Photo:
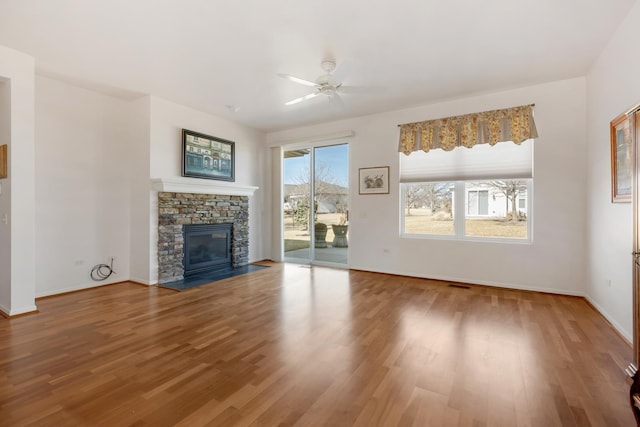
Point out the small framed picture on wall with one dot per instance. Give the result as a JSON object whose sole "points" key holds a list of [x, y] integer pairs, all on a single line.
{"points": [[374, 180]]}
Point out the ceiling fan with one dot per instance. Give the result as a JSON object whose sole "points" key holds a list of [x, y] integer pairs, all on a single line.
{"points": [[328, 84]]}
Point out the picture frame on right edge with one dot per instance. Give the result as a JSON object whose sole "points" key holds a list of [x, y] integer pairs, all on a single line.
{"points": [[621, 160], [3, 162], [374, 180]]}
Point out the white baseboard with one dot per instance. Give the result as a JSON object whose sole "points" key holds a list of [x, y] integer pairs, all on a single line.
{"points": [[143, 281], [480, 282], [17, 311], [50, 292], [622, 331]]}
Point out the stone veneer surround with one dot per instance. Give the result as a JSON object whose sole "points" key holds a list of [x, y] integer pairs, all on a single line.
{"points": [[177, 209]]}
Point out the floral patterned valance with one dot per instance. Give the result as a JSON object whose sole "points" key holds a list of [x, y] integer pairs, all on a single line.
{"points": [[489, 127]]}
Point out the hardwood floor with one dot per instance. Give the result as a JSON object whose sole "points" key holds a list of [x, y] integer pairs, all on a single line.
{"points": [[289, 345]]}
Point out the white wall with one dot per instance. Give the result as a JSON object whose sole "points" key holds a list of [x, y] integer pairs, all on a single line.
{"points": [[167, 121], [554, 262], [140, 186], [613, 87], [82, 186], [95, 156], [17, 282]]}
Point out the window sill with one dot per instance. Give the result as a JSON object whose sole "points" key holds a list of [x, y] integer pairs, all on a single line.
{"points": [[444, 237]]}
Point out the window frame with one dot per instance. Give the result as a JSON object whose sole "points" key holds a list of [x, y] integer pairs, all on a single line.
{"points": [[460, 207]]}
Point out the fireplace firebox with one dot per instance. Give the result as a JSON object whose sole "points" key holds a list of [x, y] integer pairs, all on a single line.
{"points": [[207, 247]]}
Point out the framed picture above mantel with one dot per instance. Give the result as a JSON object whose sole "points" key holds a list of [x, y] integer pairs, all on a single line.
{"points": [[209, 157]]}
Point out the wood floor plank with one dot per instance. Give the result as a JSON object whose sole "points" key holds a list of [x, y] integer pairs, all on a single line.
{"points": [[292, 346]]}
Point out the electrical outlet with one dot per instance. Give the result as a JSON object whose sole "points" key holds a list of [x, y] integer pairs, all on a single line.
{"points": [[608, 282]]}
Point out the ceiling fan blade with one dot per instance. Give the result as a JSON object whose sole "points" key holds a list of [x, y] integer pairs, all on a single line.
{"points": [[302, 98], [298, 80]]}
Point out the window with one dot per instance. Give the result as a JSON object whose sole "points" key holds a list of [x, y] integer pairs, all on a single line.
{"points": [[486, 210], [479, 193]]}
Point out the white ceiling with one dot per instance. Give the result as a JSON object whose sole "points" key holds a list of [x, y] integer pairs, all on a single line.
{"points": [[209, 54]]}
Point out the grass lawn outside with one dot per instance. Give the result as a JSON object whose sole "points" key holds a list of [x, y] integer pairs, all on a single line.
{"points": [[293, 244], [419, 222], [297, 237], [422, 222]]}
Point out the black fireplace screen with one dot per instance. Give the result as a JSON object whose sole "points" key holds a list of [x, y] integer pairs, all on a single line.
{"points": [[207, 247]]}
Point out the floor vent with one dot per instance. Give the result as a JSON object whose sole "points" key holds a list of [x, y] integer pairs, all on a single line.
{"points": [[454, 285]]}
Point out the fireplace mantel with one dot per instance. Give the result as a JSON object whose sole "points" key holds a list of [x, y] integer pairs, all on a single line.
{"points": [[200, 186]]}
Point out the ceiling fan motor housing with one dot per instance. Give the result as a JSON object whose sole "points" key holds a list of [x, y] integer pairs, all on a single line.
{"points": [[323, 79], [328, 90]]}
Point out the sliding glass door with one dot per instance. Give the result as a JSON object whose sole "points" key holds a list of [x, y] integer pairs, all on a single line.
{"points": [[316, 204], [331, 191]]}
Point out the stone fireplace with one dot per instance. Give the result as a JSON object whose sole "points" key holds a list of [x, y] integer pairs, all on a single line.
{"points": [[176, 209]]}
